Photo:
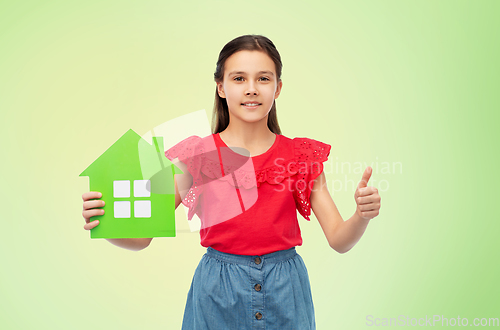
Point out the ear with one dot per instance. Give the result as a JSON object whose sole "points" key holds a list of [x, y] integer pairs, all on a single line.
{"points": [[278, 89], [220, 91]]}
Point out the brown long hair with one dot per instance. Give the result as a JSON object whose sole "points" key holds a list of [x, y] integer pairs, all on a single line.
{"points": [[220, 117]]}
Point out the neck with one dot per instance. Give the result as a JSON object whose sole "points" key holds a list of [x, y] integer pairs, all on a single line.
{"points": [[247, 134]]}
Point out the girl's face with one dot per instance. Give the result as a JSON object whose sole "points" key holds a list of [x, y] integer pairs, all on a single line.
{"points": [[249, 77]]}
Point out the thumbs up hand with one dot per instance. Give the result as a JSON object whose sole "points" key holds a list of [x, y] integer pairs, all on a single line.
{"points": [[367, 198]]}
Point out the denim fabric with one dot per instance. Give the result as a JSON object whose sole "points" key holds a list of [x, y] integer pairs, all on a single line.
{"points": [[224, 295]]}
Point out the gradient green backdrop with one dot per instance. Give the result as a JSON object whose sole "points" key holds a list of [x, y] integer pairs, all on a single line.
{"points": [[413, 83]]}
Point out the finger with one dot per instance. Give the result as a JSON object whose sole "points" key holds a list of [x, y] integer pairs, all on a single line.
{"points": [[87, 214], [369, 207], [372, 198], [369, 214], [92, 204], [91, 195], [367, 191], [91, 225], [366, 176]]}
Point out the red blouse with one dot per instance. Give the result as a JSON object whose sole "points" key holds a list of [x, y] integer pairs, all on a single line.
{"points": [[247, 205]]}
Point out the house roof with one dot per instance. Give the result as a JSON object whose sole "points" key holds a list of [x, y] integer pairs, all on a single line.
{"points": [[130, 157]]}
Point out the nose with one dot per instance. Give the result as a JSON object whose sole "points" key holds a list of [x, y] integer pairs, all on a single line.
{"points": [[251, 90]]}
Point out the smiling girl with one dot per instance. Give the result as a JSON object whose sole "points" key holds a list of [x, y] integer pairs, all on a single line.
{"points": [[251, 276]]}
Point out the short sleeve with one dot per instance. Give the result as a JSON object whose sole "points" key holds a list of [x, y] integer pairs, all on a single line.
{"points": [[310, 156], [190, 152]]}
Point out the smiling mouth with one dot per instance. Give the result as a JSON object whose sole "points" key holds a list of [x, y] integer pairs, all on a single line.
{"points": [[251, 104]]}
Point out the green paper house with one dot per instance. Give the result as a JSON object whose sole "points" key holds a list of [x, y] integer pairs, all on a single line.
{"points": [[137, 185]]}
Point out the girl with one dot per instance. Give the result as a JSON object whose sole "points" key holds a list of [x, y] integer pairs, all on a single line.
{"points": [[251, 276]]}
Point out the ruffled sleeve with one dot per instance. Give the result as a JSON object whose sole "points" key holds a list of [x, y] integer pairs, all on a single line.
{"points": [[190, 151], [309, 155]]}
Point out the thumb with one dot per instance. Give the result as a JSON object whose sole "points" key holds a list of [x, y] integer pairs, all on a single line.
{"points": [[366, 176]]}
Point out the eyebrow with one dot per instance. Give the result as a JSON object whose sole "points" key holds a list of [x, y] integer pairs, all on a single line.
{"points": [[243, 72]]}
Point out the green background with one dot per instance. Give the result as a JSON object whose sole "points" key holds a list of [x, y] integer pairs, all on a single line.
{"points": [[413, 83]]}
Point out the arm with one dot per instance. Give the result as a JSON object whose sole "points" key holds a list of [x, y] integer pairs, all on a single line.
{"points": [[185, 181], [134, 244], [343, 235]]}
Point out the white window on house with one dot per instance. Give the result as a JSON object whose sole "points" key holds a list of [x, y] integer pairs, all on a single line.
{"points": [[121, 189], [142, 188], [142, 208], [122, 209]]}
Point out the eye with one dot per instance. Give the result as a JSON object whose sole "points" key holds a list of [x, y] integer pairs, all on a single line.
{"points": [[236, 78], [265, 78]]}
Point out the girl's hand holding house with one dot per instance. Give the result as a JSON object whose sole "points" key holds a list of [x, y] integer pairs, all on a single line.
{"points": [[91, 203], [90, 210], [367, 198]]}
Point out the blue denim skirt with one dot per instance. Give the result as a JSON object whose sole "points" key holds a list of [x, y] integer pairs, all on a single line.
{"points": [[233, 292]]}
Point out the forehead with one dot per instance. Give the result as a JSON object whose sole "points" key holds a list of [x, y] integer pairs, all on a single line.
{"points": [[250, 62]]}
